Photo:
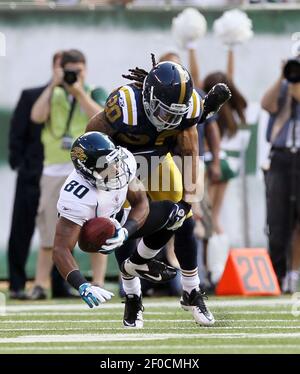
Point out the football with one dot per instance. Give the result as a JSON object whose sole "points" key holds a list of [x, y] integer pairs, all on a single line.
{"points": [[94, 234]]}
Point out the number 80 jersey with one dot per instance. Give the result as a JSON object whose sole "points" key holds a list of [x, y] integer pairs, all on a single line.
{"points": [[79, 201], [125, 113]]}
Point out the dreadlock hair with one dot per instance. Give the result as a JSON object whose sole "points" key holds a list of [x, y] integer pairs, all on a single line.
{"points": [[138, 75]]}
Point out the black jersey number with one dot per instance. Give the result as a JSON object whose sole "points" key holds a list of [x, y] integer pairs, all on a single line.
{"points": [[79, 191]]}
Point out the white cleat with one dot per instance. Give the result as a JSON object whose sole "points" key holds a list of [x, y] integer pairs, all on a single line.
{"points": [[194, 302]]}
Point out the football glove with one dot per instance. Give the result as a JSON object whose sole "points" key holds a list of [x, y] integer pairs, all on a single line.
{"points": [[178, 215], [214, 100], [93, 295], [116, 241]]}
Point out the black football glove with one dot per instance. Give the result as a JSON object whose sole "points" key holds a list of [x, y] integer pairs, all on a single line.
{"points": [[214, 100], [178, 215]]}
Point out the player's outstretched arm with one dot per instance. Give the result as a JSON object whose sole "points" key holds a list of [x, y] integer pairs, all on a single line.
{"points": [[100, 123], [66, 236], [139, 212]]}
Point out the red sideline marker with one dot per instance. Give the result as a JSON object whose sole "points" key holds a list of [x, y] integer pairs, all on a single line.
{"points": [[249, 272]]}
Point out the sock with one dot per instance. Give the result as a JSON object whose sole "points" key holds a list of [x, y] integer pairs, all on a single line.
{"points": [[131, 285], [294, 275], [143, 254], [190, 280]]}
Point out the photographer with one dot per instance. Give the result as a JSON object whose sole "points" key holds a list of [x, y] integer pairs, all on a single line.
{"points": [[26, 158], [65, 107], [282, 101]]}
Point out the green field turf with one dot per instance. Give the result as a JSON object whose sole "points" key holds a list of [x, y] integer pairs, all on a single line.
{"points": [[244, 325]]}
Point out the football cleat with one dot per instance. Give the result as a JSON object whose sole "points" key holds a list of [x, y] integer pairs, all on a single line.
{"points": [[290, 283], [195, 303], [133, 313], [38, 293], [153, 271]]}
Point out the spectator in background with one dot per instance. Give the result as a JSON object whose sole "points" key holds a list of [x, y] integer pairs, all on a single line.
{"points": [[65, 107], [229, 118], [26, 157], [282, 101]]}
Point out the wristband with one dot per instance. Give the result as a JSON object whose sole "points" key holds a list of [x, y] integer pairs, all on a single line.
{"points": [[131, 226], [76, 279], [186, 206]]}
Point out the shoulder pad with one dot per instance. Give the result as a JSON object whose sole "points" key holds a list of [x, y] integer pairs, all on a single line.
{"points": [[195, 106], [121, 107]]}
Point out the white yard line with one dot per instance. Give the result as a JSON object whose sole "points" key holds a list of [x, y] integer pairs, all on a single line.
{"points": [[88, 321], [157, 347], [33, 321], [272, 302], [146, 313], [17, 329], [84, 338]]}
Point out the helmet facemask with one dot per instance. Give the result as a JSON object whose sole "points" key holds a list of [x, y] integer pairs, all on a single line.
{"points": [[111, 171], [162, 116]]}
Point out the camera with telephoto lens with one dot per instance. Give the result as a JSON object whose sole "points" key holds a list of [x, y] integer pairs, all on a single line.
{"points": [[70, 76], [291, 71]]}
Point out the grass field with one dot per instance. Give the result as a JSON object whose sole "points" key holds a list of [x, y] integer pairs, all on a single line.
{"points": [[244, 325]]}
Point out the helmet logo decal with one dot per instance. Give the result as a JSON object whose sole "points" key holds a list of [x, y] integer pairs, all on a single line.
{"points": [[77, 153]]}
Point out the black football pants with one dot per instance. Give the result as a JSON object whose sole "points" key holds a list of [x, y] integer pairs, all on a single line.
{"points": [[283, 206], [153, 231]]}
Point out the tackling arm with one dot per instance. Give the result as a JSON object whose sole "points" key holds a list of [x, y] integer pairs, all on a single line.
{"points": [[187, 141], [99, 123], [136, 218]]}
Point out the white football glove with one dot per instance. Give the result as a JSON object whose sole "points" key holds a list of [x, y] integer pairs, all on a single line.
{"points": [[117, 240], [93, 295]]}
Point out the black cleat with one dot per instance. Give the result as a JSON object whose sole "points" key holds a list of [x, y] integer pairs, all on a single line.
{"points": [[38, 293], [195, 303], [153, 271], [18, 295], [133, 313]]}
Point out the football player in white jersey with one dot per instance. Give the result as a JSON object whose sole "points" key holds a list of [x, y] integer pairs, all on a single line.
{"points": [[104, 177]]}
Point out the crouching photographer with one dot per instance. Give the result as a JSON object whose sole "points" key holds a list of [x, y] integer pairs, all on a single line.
{"points": [[65, 106], [282, 101]]}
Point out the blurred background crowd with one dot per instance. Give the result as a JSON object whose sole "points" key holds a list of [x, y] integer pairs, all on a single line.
{"points": [[261, 123], [201, 3]]}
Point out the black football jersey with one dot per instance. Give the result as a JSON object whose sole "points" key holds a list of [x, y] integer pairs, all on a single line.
{"points": [[124, 111]]}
